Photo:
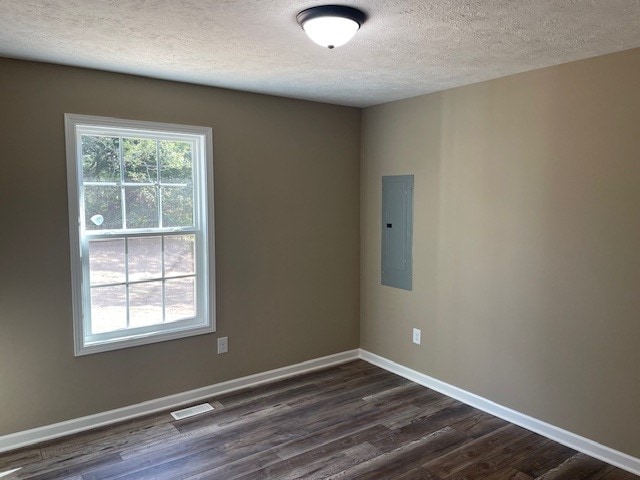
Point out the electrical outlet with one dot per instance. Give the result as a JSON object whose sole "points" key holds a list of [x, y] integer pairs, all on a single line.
{"points": [[223, 344], [417, 336]]}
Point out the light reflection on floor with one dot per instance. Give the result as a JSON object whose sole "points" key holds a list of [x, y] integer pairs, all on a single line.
{"points": [[8, 472]]}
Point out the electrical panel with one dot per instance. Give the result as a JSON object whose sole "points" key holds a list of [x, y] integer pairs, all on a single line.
{"points": [[397, 231]]}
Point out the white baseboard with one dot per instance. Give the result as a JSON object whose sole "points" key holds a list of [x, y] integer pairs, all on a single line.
{"points": [[56, 430], [69, 427], [581, 444]]}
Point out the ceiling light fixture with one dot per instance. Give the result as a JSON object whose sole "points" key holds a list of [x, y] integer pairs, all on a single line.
{"points": [[331, 25]]}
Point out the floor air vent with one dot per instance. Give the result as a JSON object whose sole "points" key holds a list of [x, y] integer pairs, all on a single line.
{"points": [[191, 411]]}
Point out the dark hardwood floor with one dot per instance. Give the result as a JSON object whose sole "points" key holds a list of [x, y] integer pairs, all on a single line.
{"points": [[354, 421]]}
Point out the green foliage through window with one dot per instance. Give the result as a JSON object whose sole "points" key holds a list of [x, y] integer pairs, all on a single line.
{"points": [[152, 180]]}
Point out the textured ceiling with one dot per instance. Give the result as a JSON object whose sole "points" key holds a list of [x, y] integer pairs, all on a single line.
{"points": [[406, 48]]}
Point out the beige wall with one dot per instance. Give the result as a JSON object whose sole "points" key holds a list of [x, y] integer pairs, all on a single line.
{"points": [[287, 240], [526, 242]]}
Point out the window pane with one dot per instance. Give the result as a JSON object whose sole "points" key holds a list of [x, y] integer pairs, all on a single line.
{"points": [[176, 163], [179, 255], [180, 297], [108, 309], [140, 163], [145, 304], [177, 206], [106, 261], [145, 258], [142, 207], [102, 208], [100, 159]]}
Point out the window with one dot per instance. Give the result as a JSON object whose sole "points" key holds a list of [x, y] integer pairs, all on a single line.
{"points": [[141, 229]]}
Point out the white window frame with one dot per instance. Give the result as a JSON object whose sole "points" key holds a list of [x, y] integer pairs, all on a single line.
{"points": [[84, 342]]}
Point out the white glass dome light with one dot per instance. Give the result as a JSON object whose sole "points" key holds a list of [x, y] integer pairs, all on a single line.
{"points": [[331, 25]]}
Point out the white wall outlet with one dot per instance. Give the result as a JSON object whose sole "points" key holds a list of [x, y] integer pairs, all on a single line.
{"points": [[417, 336], [223, 344]]}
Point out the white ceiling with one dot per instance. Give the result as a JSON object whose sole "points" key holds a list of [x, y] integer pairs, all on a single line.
{"points": [[406, 48]]}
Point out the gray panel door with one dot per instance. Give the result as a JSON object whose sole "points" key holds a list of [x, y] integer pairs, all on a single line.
{"points": [[397, 231]]}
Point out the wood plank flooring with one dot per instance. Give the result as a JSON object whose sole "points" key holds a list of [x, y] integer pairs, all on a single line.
{"points": [[354, 421]]}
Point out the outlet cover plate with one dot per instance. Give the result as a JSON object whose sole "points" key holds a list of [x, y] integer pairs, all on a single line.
{"points": [[417, 336], [223, 344]]}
